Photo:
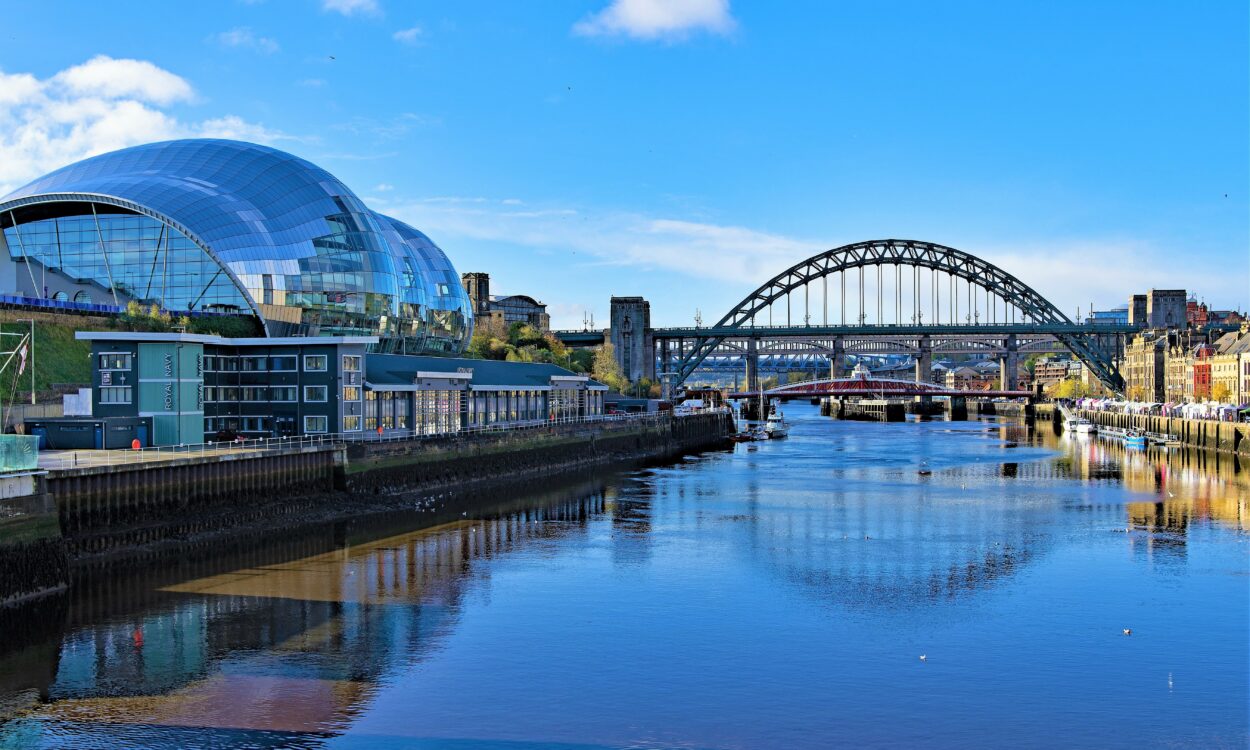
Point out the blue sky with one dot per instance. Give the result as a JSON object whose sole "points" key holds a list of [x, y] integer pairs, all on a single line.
{"points": [[687, 150]]}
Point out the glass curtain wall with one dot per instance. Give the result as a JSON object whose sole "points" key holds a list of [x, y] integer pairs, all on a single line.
{"points": [[140, 258]]}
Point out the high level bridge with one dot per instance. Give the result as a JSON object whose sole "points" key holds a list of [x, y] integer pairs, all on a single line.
{"points": [[879, 297]]}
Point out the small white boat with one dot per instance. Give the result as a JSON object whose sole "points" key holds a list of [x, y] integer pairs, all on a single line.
{"points": [[776, 426], [1085, 426]]}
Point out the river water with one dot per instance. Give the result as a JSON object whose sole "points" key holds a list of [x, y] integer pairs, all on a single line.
{"points": [[808, 593]]}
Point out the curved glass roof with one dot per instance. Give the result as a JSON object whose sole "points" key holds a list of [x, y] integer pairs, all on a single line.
{"points": [[288, 231]]}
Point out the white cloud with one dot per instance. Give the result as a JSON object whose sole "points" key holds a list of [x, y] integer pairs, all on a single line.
{"points": [[408, 36], [101, 105], [725, 253], [105, 77], [244, 37], [658, 19], [352, 7], [383, 187], [312, 83]]}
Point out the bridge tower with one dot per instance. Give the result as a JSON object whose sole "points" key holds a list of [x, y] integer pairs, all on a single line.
{"points": [[753, 364], [631, 337], [1009, 365], [837, 357], [924, 360]]}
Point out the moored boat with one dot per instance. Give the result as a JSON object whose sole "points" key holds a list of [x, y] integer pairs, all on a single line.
{"points": [[776, 426]]}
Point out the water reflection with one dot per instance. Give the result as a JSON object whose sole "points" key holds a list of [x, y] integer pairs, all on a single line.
{"points": [[736, 599], [283, 650]]}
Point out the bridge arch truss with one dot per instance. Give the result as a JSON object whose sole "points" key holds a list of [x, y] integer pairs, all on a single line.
{"points": [[929, 284]]}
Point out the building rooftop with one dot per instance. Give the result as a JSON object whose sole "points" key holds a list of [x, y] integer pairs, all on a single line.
{"points": [[399, 369], [204, 338], [1233, 342]]}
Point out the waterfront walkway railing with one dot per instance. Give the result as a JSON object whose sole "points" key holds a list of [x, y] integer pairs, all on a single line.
{"points": [[70, 459]]}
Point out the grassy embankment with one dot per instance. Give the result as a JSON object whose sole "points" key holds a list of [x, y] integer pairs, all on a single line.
{"points": [[62, 362]]}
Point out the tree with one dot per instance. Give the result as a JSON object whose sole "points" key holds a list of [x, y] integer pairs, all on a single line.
{"points": [[489, 341], [1221, 392], [559, 352], [582, 360], [1067, 388], [607, 370]]}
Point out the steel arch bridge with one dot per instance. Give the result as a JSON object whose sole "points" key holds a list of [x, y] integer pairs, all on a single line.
{"points": [[990, 300]]}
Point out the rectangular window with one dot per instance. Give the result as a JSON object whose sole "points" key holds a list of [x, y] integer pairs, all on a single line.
{"points": [[115, 395], [254, 393], [315, 393], [210, 394], [351, 363], [227, 364], [351, 393], [252, 364], [227, 393], [115, 361], [283, 364], [283, 393], [316, 424], [210, 363], [315, 363], [351, 423]]}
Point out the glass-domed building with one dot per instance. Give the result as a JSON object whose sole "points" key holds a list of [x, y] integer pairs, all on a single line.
{"points": [[232, 227]]}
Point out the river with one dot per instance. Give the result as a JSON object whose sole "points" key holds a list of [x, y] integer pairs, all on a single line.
{"points": [[812, 592]]}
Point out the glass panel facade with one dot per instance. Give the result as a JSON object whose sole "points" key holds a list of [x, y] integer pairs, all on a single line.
{"points": [[308, 255], [137, 256]]}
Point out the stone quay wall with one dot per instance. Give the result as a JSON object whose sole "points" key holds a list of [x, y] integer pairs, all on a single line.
{"points": [[107, 509], [865, 410], [95, 517], [458, 461], [1231, 437], [32, 558], [1002, 408]]}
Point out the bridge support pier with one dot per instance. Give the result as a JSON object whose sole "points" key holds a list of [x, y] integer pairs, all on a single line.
{"points": [[924, 371], [957, 407], [753, 364], [666, 370], [837, 357], [924, 360], [1009, 365]]}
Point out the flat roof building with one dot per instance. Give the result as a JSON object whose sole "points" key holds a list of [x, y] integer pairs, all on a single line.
{"points": [[196, 388]]}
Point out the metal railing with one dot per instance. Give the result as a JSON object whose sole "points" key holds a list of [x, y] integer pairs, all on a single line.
{"points": [[70, 459]]}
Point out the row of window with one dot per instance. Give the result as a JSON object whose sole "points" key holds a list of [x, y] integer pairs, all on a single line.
{"points": [[213, 425], [260, 393], [115, 395], [275, 363], [221, 363]]}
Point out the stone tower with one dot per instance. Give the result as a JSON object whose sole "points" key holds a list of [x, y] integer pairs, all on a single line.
{"points": [[477, 286], [631, 337]]}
